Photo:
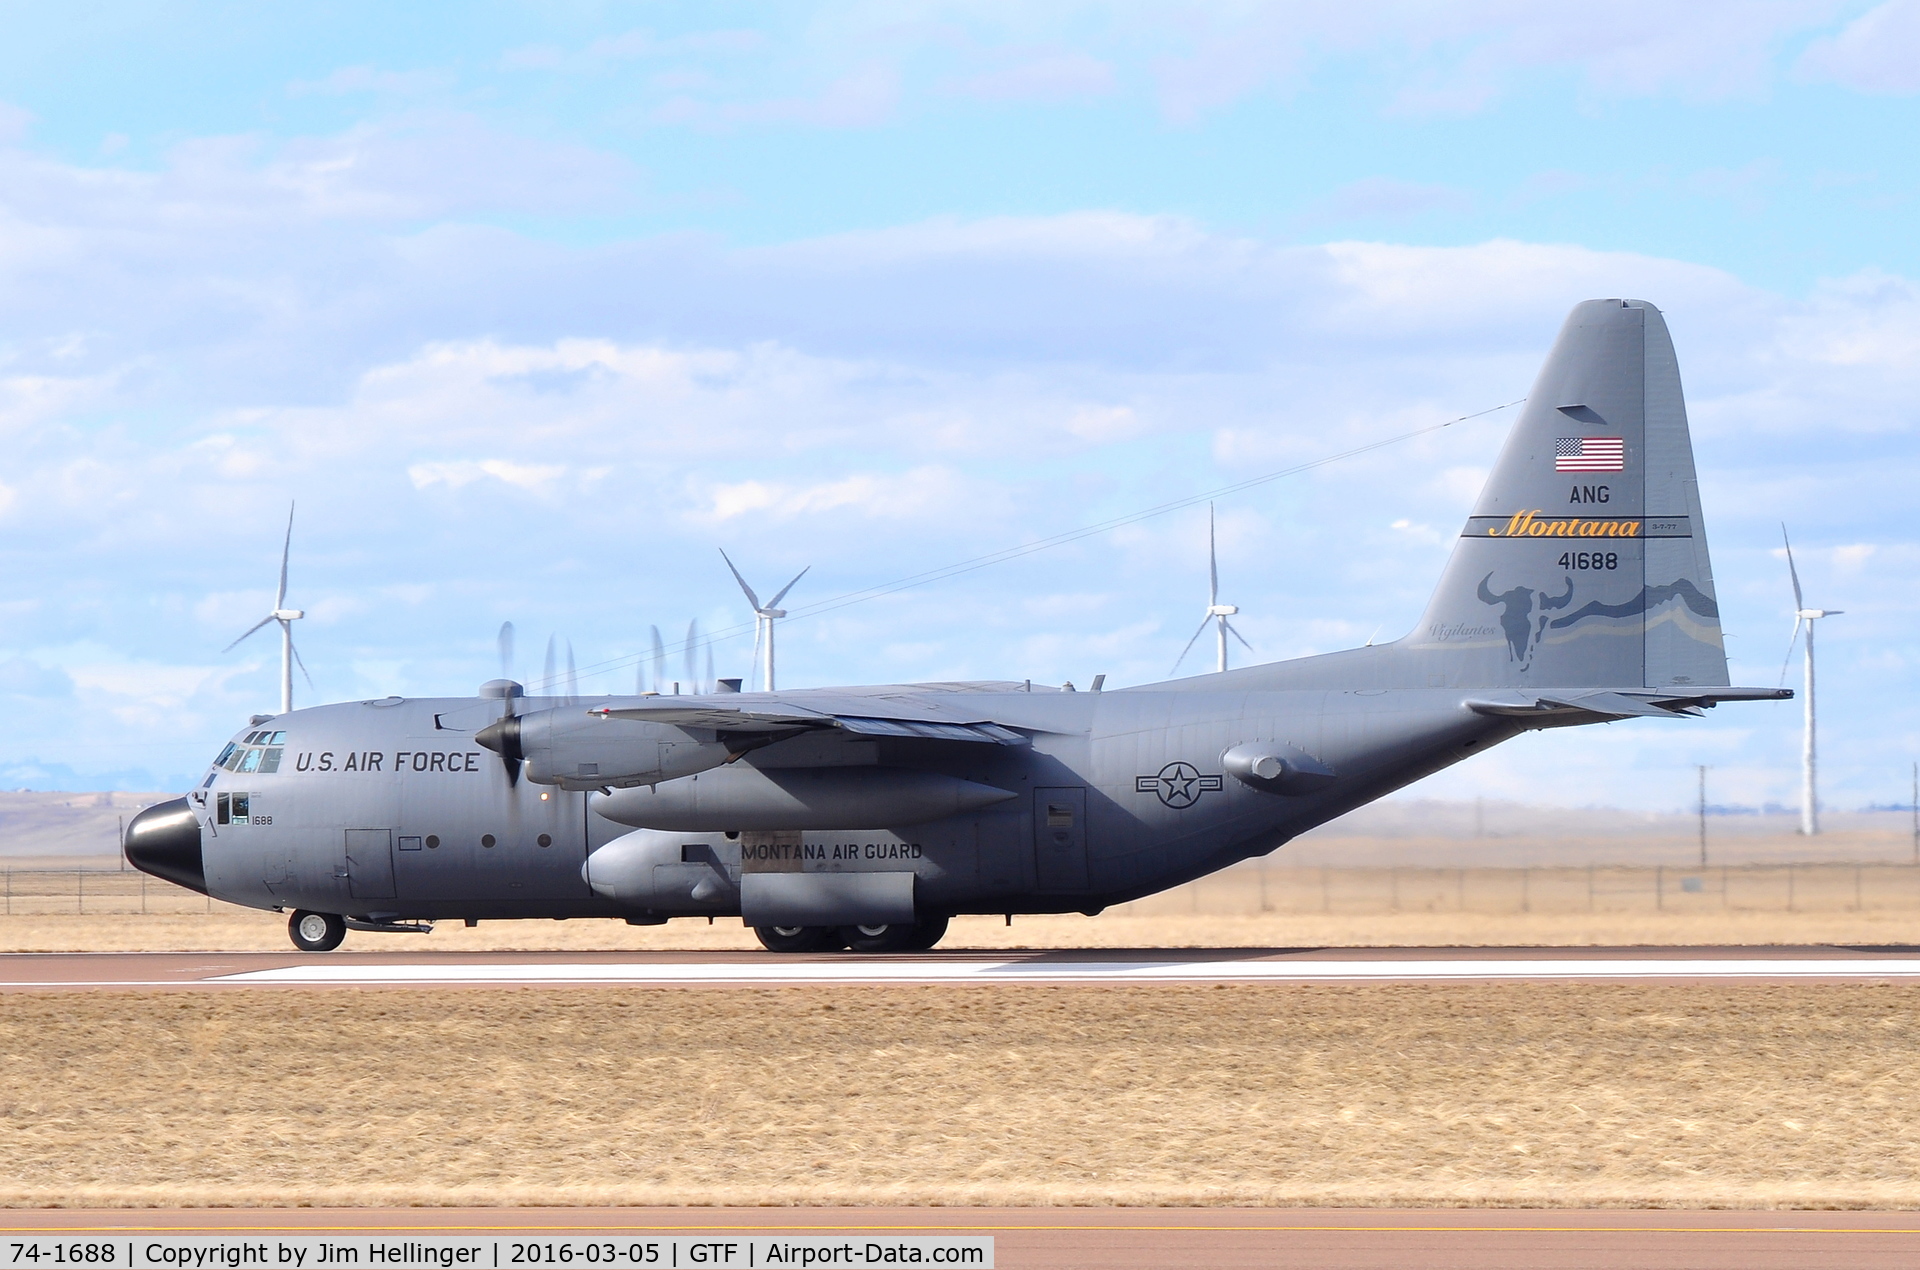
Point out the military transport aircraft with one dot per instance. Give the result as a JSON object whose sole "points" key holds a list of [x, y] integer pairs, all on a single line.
{"points": [[1579, 592]]}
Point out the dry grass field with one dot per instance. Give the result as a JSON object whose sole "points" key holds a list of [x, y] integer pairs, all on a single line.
{"points": [[1447, 1094]]}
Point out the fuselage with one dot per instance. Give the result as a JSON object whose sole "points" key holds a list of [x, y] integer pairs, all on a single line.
{"points": [[389, 808]]}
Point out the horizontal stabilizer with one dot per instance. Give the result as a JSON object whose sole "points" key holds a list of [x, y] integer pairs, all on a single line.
{"points": [[1622, 704]]}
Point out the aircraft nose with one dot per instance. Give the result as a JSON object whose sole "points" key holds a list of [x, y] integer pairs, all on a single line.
{"points": [[164, 840]]}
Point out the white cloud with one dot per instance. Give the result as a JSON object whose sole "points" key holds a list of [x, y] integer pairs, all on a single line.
{"points": [[1877, 52], [1057, 76]]}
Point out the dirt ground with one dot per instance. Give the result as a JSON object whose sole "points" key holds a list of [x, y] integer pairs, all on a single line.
{"points": [[1738, 1095], [230, 929]]}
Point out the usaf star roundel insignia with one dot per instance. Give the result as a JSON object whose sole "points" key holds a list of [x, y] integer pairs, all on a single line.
{"points": [[1179, 784]]}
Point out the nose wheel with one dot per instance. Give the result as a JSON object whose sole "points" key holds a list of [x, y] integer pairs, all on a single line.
{"points": [[316, 932]]}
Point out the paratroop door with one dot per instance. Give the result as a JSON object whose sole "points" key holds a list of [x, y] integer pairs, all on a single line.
{"points": [[370, 864], [1060, 838]]}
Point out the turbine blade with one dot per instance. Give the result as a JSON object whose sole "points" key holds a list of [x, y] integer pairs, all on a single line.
{"points": [[286, 549], [1788, 659], [295, 648], [506, 650], [551, 678], [1236, 634], [1213, 563], [759, 631], [1190, 643], [1792, 572], [573, 685], [709, 683], [774, 603], [250, 630], [751, 597], [659, 662]]}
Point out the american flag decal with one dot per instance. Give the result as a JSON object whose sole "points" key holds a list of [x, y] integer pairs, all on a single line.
{"points": [[1589, 454]]}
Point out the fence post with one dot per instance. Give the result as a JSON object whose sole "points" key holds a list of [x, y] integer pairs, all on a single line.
{"points": [[143, 893]]}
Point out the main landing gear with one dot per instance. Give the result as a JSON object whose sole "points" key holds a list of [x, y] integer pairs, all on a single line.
{"points": [[316, 932], [898, 937]]}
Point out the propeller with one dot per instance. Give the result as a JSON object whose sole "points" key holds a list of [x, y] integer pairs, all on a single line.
{"points": [[573, 680], [659, 662], [508, 724], [693, 667], [551, 679]]}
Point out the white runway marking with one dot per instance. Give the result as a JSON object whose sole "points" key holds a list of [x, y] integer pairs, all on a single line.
{"points": [[1038, 972]]}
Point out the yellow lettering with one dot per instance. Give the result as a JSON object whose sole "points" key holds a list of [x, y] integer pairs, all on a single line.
{"points": [[1630, 529]]}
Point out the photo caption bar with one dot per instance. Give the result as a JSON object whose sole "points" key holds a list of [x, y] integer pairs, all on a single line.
{"points": [[637, 1250]]}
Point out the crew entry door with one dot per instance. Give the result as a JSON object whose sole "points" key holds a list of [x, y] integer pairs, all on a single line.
{"points": [[1060, 838], [370, 864]]}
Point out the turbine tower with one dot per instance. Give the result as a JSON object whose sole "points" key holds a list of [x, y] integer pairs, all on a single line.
{"points": [[1809, 792], [763, 619], [286, 617], [1216, 611]]}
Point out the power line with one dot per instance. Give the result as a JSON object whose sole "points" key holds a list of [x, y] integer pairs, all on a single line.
{"points": [[912, 580]]}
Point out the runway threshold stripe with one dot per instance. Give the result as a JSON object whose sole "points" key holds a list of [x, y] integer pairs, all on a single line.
{"points": [[1007, 972]]}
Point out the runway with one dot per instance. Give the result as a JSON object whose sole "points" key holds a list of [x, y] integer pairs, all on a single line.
{"points": [[1126, 1238], [82, 971]]}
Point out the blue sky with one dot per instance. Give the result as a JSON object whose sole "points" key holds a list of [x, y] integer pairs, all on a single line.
{"points": [[534, 307]]}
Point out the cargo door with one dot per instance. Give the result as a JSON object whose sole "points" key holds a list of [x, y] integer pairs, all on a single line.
{"points": [[370, 864], [1060, 838]]}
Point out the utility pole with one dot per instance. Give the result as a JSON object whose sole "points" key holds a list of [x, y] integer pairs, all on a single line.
{"points": [[1703, 815]]}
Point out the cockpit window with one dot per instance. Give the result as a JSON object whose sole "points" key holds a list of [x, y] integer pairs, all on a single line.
{"points": [[233, 759], [251, 763], [270, 758], [225, 754], [278, 738]]}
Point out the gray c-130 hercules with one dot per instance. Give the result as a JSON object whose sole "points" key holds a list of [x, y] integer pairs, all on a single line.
{"points": [[1579, 592]]}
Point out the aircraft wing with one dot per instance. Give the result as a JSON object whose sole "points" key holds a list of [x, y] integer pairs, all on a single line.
{"points": [[1623, 703], [895, 717]]}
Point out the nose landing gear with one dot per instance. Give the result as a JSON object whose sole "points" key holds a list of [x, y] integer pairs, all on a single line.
{"points": [[316, 932]]}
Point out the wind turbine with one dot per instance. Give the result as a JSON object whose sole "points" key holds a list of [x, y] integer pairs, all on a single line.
{"points": [[1216, 611], [1809, 795], [763, 619], [286, 617]]}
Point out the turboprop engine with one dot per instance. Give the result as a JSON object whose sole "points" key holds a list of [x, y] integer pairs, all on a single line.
{"points": [[573, 749], [744, 797]]}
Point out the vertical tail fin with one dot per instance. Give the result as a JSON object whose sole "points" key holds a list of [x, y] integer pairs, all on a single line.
{"points": [[1584, 562]]}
